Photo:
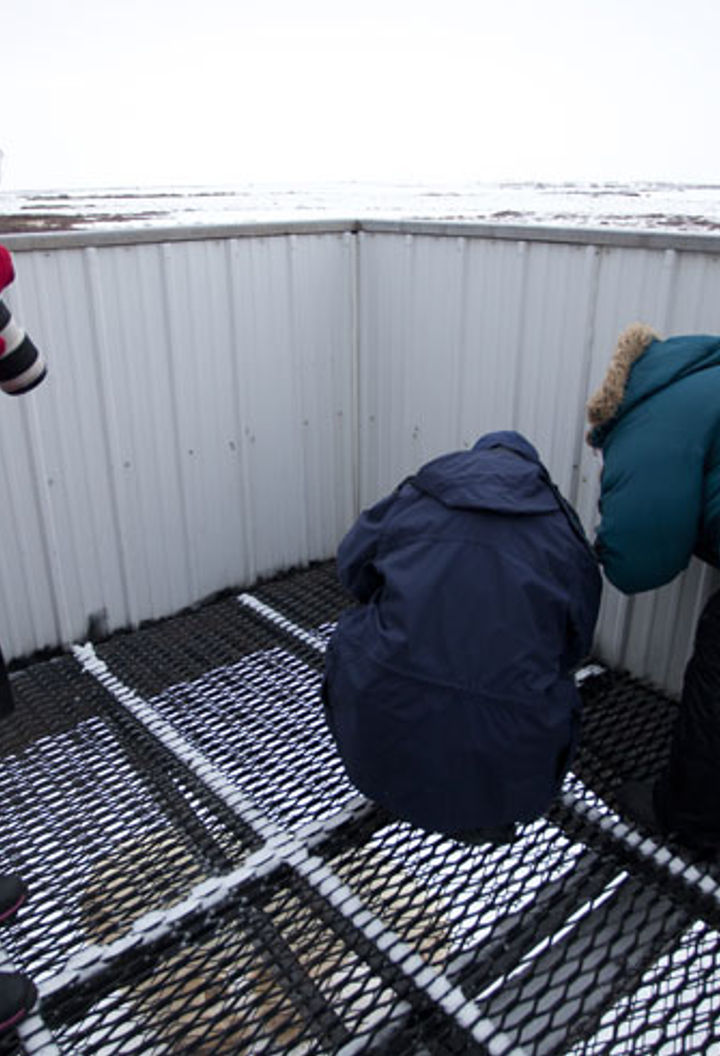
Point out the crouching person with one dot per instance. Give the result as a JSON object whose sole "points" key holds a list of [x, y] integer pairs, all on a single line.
{"points": [[450, 690]]}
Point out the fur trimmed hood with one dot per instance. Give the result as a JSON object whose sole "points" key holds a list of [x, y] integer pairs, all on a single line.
{"points": [[604, 404]]}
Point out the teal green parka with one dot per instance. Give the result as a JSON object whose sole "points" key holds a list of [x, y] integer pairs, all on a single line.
{"points": [[656, 419]]}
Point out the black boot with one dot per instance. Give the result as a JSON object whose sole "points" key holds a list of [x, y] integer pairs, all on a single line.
{"points": [[636, 800], [18, 994], [7, 702], [13, 892]]}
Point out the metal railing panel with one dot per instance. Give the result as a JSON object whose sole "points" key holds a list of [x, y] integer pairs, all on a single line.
{"points": [[194, 432], [222, 402]]}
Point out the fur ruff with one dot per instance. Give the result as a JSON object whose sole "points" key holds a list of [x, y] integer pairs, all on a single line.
{"points": [[604, 404]]}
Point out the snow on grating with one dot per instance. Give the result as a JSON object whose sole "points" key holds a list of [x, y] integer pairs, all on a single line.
{"points": [[205, 879]]}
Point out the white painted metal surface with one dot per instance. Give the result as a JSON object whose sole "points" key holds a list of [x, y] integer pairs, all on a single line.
{"points": [[222, 403], [195, 430]]}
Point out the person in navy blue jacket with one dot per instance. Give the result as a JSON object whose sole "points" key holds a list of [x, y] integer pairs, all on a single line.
{"points": [[449, 691]]}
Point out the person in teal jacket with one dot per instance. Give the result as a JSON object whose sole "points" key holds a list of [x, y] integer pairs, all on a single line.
{"points": [[656, 419]]}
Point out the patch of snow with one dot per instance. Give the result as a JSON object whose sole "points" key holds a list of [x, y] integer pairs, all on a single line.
{"points": [[638, 206]]}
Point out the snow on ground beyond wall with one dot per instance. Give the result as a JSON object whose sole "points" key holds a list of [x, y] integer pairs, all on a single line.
{"points": [[645, 206]]}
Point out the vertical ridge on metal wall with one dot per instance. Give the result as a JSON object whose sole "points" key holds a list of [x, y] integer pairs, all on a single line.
{"points": [[238, 443], [106, 398], [173, 320]]}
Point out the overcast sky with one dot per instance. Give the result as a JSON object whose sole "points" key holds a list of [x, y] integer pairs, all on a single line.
{"points": [[121, 93]]}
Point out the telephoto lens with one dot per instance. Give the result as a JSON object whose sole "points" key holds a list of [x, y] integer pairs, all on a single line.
{"points": [[21, 365]]}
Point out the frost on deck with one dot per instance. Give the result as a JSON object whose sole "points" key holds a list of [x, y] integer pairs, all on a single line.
{"points": [[205, 880]]}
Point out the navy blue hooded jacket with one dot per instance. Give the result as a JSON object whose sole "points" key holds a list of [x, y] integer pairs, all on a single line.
{"points": [[449, 690]]}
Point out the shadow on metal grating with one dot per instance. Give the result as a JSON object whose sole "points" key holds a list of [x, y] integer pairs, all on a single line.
{"points": [[204, 879]]}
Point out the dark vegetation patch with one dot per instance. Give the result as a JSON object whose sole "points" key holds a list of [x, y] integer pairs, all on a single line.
{"points": [[40, 220]]}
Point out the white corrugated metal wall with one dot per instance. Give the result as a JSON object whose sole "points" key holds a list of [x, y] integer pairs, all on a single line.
{"points": [[195, 430], [220, 407]]}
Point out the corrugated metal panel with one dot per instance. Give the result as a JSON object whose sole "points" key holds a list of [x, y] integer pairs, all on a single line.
{"points": [[461, 335], [195, 431], [221, 407]]}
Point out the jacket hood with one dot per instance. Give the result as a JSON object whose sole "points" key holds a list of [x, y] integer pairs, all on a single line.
{"points": [[641, 365], [502, 473], [507, 438]]}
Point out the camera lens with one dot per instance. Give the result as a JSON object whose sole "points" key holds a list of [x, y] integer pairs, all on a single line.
{"points": [[21, 365]]}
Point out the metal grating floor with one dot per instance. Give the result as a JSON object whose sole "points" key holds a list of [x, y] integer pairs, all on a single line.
{"points": [[204, 879]]}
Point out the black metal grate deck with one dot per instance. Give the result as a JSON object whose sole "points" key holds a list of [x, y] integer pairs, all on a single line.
{"points": [[205, 880]]}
